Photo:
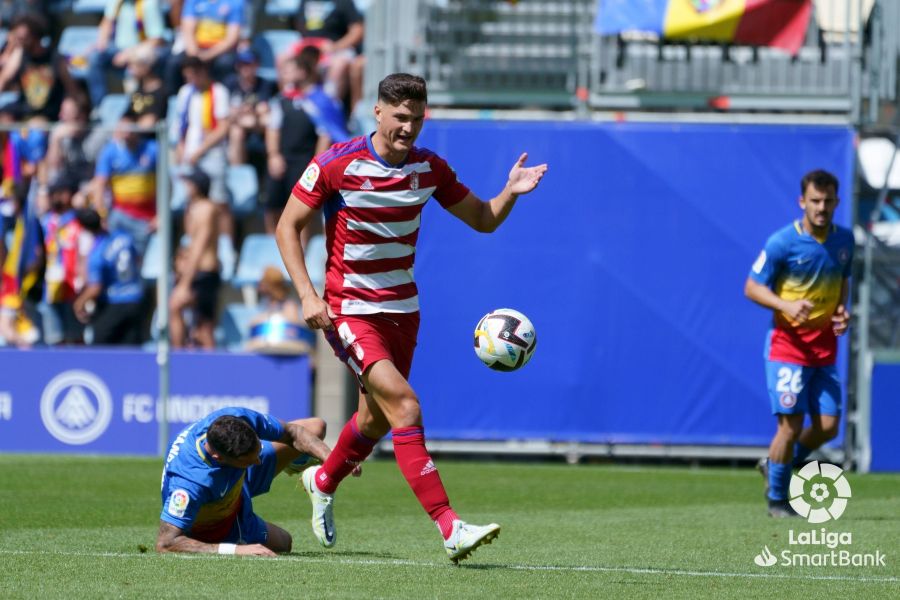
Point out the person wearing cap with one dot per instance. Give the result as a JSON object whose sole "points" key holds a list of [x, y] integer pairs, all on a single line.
{"points": [[111, 299], [278, 328], [197, 286], [124, 185], [249, 96], [126, 26], [66, 246]]}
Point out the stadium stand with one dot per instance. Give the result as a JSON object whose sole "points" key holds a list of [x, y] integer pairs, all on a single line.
{"points": [[269, 45], [75, 44], [243, 186], [112, 108]]}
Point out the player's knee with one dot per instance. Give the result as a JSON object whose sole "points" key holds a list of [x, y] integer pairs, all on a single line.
{"points": [[829, 432], [408, 413]]}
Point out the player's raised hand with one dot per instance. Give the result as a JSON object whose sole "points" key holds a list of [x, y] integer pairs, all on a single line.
{"points": [[317, 314], [798, 310], [840, 320], [253, 550], [523, 179]]}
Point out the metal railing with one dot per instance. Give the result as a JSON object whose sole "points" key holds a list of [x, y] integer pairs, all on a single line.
{"points": [[541, 53]]}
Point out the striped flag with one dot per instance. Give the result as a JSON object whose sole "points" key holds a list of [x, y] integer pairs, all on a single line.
{"points": [[778, 23]]}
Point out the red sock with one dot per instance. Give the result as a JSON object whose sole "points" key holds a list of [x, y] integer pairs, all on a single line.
{"points": [[351, 449], [416, 465]]}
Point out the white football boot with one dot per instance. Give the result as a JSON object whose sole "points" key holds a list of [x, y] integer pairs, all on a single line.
{"points": [[465, 538], [322, 509]]}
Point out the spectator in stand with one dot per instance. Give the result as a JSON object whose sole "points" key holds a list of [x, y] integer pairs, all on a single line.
{"points": [[292, 137], [66, 246], [127, 169], [22, 152], [42, 76], [149, 102], [111, 300], [197, 286], [250, 97], [66, 156], [336, 28], [279, 327], [200, 127], [210, 31], [126, 26], [21, 283]]}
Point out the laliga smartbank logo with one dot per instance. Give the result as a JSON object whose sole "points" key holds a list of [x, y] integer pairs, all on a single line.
{"points": [[819, 493]]}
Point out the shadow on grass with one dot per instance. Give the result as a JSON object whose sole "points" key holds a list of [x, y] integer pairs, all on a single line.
{"points": [[345, 554]]}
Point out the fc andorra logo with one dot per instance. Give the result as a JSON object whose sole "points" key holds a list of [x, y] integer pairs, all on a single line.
{"points": [[702, 6], [819, 492], [76, 407]]}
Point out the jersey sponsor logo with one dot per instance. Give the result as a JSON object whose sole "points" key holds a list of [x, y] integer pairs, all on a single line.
{"points": [[414, 181], [760, 263], [76, 407], [310, 177], [178, 503]]}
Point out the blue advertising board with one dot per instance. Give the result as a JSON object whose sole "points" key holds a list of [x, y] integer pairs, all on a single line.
{"points": [[630, 259], [105, 401], [885, 416]]}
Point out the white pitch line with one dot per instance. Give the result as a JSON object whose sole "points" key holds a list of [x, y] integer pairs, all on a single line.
{"points": [[442, 565]]}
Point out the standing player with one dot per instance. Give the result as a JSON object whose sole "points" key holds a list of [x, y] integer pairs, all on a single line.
{"points": [[373, 189], [802, 276], [215, 466]]}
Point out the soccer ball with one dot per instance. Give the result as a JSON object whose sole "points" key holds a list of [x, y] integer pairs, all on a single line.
{"points": [[505, 339]]}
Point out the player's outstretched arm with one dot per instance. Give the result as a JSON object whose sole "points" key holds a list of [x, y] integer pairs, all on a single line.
{"points": [[298, 437], [294, 218], [172, 539], [487, 216]]}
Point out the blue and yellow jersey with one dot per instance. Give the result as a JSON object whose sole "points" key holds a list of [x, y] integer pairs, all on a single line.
{"points": [[201, 496], [132, 177], [797, 266], [213, 19]]}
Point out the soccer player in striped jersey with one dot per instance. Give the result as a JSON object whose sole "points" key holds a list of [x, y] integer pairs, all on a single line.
{"points": [[372, 190], [802, 275]]}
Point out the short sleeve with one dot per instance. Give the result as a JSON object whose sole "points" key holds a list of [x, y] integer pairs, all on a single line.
{"points": [[349, 12], [189, 10], [111, 9], [276, 114], [236, 16], [223, 102], [180, 504], [448, 190], [104, 161], [313, 187], [769, 262]]}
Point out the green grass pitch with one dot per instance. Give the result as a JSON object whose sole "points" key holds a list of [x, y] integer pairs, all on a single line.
{"points": [[84, 527]]}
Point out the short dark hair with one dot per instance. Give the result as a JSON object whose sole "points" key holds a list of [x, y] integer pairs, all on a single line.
{"points": [[34, 22], [820, 179], [196, 63], [399, 87], [231, 437]]}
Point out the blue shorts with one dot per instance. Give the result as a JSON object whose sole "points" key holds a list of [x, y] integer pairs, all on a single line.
{"points": [[795, 389], [249, 528]]}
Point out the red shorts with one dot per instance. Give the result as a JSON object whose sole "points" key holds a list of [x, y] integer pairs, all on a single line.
{"points": [[360, 341]]}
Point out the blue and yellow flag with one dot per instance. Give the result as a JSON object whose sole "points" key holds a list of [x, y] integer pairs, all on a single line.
{"points": [[777, 23]]}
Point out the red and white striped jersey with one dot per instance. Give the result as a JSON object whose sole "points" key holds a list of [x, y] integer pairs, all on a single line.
{"points": [[372, 213]]}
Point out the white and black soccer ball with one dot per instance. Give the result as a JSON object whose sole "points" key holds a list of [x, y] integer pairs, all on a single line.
{"points": [[505, 339]]}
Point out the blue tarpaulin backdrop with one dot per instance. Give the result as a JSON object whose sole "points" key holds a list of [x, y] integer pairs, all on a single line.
{"points": [[630, 260]]}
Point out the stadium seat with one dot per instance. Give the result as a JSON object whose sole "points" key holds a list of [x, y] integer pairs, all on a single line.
{"points": [[282, 8], [315, 261], [268, 45], [178, 199], [234, 326], [8, 98], [227, 258], [243, 186], [112, 107], [88, 7], [75, 44], [258, 251], [151, 267], [51, 325]]}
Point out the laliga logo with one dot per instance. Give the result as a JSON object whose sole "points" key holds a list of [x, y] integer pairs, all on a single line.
{"points": [[76, 407], [819, 495]]}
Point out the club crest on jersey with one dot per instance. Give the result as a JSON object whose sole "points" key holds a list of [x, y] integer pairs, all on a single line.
{"points": [[310, 177], [788, 400], [844, 256], [178, 503], [414, 181]]}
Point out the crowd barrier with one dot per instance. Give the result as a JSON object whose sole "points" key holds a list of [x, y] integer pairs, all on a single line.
{"points": [[105, 401]]}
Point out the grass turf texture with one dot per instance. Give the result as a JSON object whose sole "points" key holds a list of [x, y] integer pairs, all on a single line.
{"points": [[73, 527]]}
